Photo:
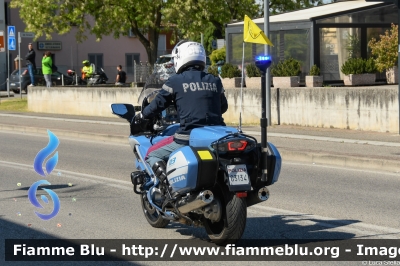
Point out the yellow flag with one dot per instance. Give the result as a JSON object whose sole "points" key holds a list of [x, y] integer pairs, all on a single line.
{"points": [[252, 33]]}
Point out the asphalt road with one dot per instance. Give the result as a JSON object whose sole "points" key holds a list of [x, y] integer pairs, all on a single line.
{"points": [[97, 202]]}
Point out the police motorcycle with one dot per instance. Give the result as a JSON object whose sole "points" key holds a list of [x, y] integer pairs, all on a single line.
{"points": [[209, 183]]}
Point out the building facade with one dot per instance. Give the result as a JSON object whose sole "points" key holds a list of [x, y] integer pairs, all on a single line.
{"points": [[69, 54], [324, 35]]}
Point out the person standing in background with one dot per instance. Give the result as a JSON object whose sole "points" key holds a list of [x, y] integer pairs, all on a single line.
{"points": [[30, 63], [121, 76], [47, 64]]}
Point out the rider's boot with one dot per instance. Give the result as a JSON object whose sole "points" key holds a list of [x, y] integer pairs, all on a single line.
{"points": [[160, 170]]}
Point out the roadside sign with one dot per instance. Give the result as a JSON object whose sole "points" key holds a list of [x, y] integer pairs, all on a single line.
{"points": [[11, 44], [11, 31], [2, 46], [27, 35], [11, 38], [214, 44], [49, 45]]}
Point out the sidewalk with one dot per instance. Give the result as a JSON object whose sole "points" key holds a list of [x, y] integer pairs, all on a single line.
{"points": [[348, 148], [4, 95]]}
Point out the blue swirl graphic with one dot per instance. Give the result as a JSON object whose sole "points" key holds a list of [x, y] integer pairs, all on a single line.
{"points": [[32, 198], [41, 156]]}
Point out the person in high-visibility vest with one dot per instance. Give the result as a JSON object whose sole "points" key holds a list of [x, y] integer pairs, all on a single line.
{"points": [[87, 70]]}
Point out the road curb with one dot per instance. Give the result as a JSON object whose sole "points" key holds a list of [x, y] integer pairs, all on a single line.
{"points": [[341, 160], [289, 155], [67, 133]]}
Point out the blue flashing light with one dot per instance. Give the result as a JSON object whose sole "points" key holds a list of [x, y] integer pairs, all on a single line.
{"points": [[263, 58]]}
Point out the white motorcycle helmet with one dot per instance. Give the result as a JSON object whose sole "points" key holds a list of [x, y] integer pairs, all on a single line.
{"points": [[187, 53]]}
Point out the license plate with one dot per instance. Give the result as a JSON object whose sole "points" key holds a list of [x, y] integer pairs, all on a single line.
{"points": [[238, 174], [12, 84]]}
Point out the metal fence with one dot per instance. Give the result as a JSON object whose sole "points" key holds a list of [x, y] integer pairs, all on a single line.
{"points": [[141, 71]]}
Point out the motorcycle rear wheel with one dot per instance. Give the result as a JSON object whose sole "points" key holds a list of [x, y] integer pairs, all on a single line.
{"points": [[229, 229], [153, 217]]}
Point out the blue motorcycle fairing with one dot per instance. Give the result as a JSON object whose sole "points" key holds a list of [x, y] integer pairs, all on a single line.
{"points": [[183, 168], [170, 130], [278, 162], [204, 136]]}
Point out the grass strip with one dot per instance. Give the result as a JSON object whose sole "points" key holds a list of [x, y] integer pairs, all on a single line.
{"points": [[20, 105]]}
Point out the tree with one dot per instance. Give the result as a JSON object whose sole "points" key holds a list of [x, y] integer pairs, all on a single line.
{"points": [[385, 50], [144, 17], [208, 17], [101, 18], [280, 6], [218, 55]]}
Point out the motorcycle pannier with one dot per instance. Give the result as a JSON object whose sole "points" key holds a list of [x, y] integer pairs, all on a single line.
{"points": [[191, 168]]}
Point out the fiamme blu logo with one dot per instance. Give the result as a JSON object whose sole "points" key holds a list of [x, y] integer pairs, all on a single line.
{"points": [[49, 166]]}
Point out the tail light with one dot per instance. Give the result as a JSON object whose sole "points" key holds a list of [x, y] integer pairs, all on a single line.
{"points": [[237, 145], [241, 194], [233, 145]]}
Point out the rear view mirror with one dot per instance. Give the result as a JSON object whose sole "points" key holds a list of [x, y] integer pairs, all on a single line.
{"points": [[123, 110]]}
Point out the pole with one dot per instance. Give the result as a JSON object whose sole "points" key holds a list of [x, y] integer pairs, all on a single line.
{"points": [[264, 124], [202, 39], [263, 64], [267, 74], [8, 70], [134, 71], [19, 63], [398, 61], [241, 93]]}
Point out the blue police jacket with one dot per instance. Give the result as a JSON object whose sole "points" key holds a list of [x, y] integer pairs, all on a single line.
{"points": [[199, 100]]}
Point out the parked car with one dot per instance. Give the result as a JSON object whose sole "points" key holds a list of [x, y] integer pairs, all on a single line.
{"points": [[164, 67], [163, 59], [39, 79]]}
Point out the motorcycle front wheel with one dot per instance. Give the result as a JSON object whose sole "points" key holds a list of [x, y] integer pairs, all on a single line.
{"points": [[153, 217], [229, 229]]}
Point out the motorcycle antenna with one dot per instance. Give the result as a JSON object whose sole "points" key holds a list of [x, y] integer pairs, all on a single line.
{"points": [[263, 62], [240, 123]]}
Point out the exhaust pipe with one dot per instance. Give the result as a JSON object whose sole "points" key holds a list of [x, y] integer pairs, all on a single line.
{"points": [[194, 202], [257, 196]]}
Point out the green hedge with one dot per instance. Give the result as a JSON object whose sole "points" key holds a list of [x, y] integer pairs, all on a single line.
{"points": [[230, 71], [358, 66], [286, 68], [252, 70]]}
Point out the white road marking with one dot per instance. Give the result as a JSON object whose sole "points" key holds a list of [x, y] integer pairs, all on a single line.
{"points": [[397, 174], [361, 229], [67, 119], [256, 133]]}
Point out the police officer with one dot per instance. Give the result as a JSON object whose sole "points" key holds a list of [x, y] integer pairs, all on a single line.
{"points": [[198, 97]]}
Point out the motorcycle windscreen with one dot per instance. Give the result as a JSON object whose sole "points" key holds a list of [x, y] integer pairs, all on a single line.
{"points": [[149, 94]]}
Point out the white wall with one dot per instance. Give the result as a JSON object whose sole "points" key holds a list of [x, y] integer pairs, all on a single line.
{"points": [[358, 108]]}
